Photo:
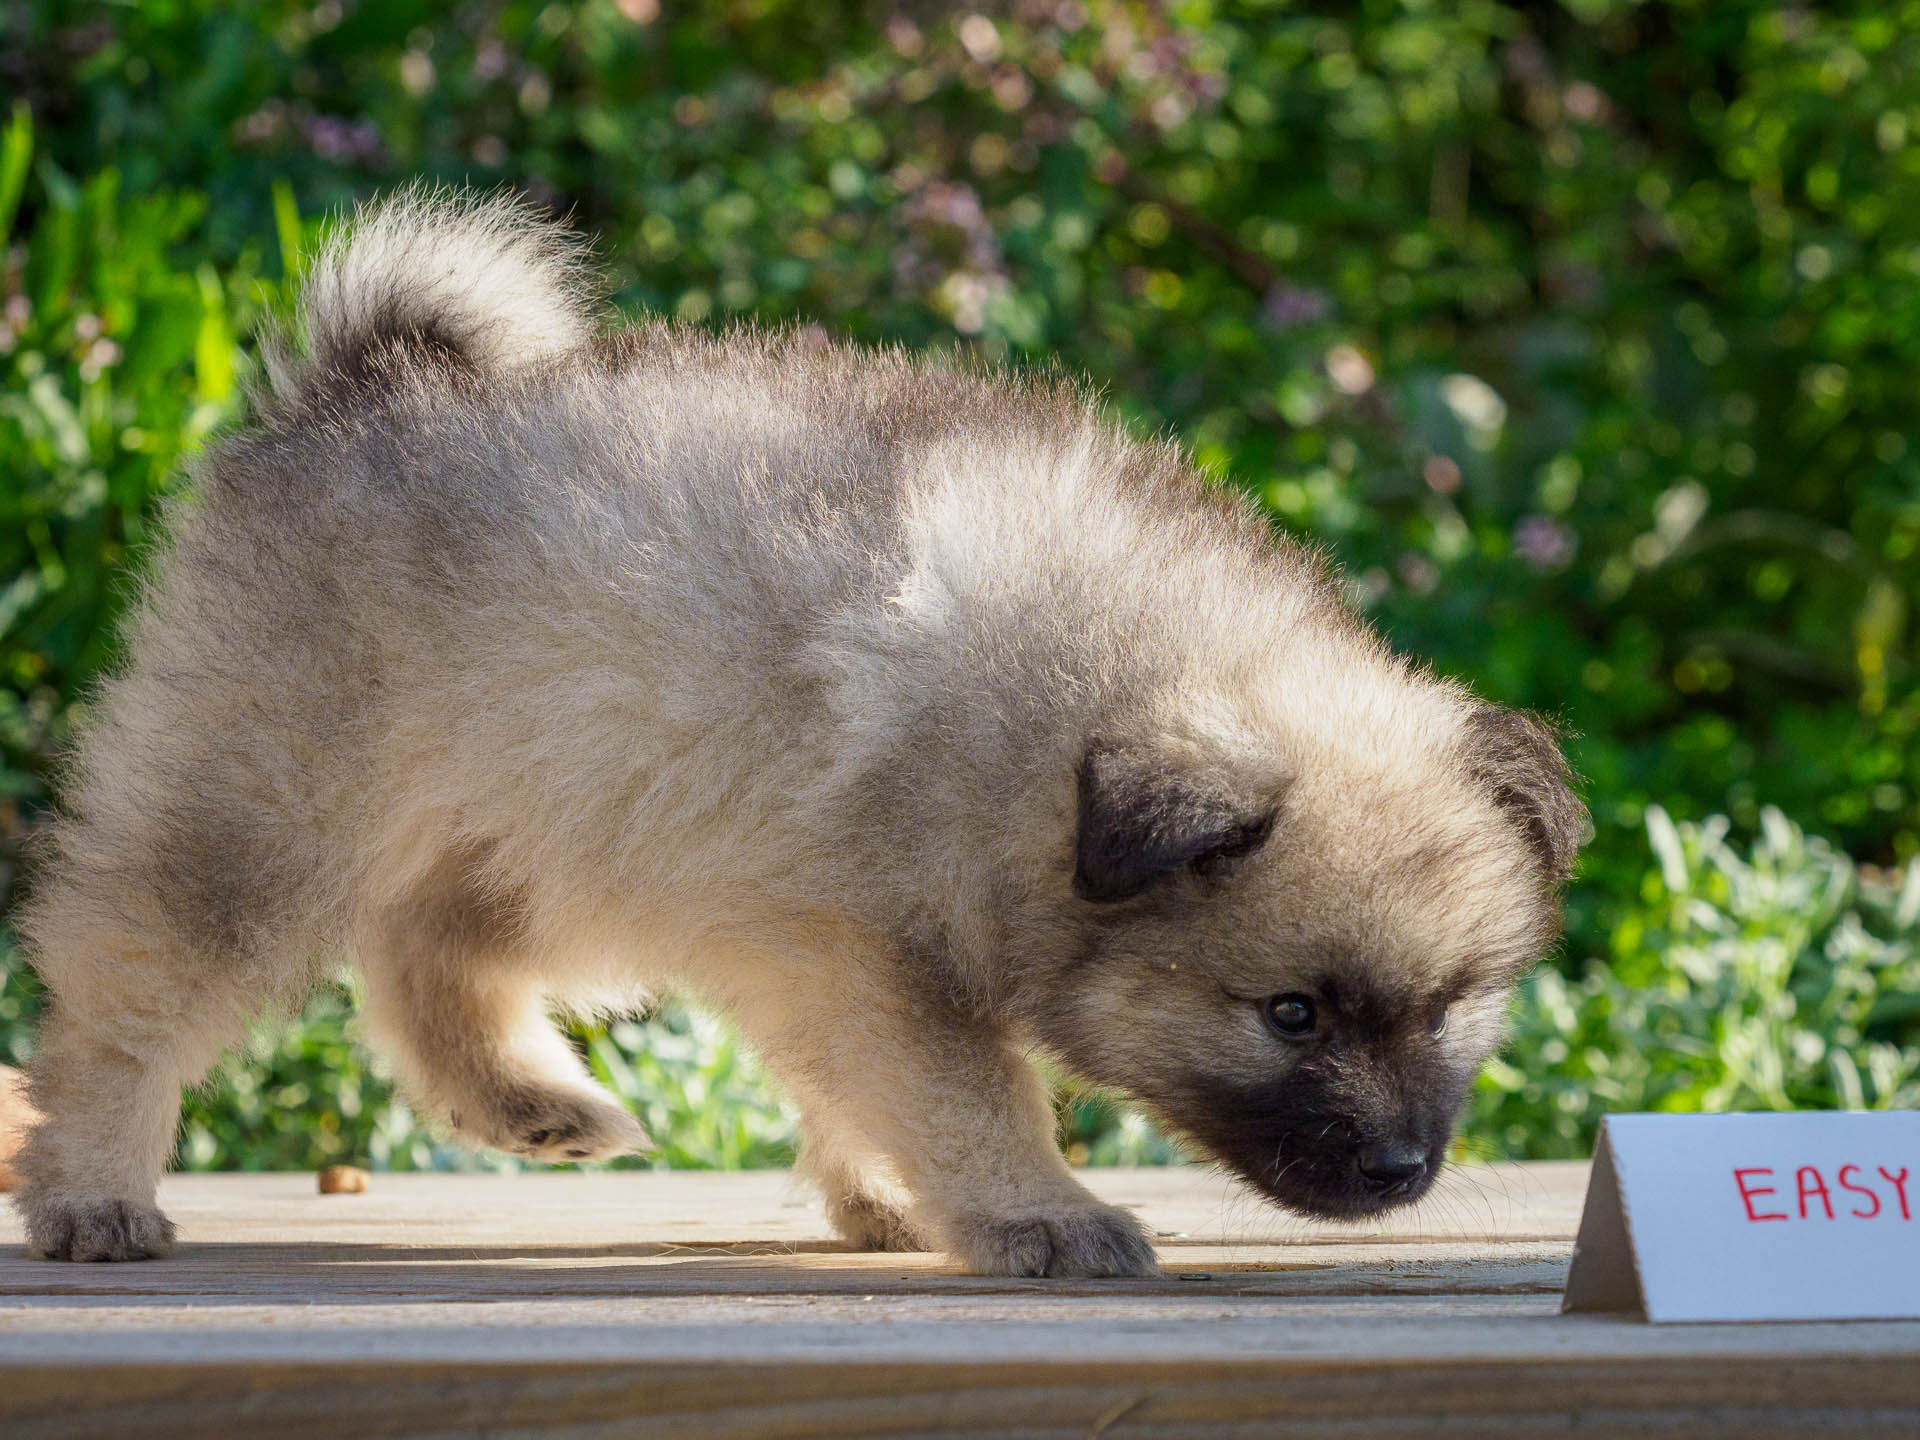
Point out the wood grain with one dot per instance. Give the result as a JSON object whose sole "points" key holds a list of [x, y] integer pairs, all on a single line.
{"points": [[1725, 1397], [717, 1305]]}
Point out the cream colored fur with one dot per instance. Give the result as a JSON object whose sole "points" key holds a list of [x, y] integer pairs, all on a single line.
{"points": [[538, 671]]}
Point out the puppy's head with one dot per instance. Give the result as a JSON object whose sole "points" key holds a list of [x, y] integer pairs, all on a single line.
{"points": [[1300, 956]]}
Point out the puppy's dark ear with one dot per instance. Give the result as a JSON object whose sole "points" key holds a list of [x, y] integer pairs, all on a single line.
{"points": [[1140, 821], [1517, 756]]}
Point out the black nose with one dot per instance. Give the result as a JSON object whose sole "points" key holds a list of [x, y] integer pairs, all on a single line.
{"points": [[1386, 1167]]}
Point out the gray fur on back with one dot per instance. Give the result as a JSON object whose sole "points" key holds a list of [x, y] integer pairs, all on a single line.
{"points": [[848, 566]]}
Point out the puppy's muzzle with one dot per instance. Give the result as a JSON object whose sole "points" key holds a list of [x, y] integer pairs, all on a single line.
{"points": [[1393, 1168]]}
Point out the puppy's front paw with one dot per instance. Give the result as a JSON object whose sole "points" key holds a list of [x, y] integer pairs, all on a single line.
{"points": [[1092, 1241], [66, 1229]]}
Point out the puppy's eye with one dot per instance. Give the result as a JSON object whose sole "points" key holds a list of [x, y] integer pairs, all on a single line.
{"points": [[1291, 1015]]}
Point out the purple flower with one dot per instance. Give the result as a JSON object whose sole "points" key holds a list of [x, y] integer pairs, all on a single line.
{"points": [[1289, 305], [335, 139], [1543, 543]]}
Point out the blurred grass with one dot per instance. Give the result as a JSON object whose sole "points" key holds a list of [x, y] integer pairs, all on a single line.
{"points": [[304, 1097]]}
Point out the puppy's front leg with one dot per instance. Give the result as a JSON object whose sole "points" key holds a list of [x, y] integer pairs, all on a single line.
{"points": [[947, 1103]]}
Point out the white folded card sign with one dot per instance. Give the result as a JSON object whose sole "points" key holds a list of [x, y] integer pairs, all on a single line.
{"points": [[1808, 1216]]}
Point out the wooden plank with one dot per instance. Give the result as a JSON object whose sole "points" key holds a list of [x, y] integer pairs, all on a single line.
{"points": [[1067, 1329], [1739, 1397], [638, 1304], [293, 1274], [625, 1208], [897, 1329]]}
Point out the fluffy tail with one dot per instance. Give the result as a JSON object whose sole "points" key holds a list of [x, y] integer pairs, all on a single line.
{"points": [[475, 284]]}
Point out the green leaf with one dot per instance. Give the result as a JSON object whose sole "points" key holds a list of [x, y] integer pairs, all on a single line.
{"points": [[213, 346], [16, 154], [286, 227]]}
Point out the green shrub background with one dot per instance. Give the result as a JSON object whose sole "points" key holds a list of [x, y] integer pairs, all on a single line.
{"points": [[1586, 336]]}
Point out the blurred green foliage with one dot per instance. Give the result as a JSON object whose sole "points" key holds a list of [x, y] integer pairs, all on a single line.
{"points": [[1782, 979], [1586, 335], [303, 1097]]}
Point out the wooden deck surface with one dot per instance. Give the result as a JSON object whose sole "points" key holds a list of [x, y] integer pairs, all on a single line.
{"points": [[642, 1304]]}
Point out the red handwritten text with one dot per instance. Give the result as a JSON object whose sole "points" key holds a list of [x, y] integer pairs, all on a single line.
{"points": [[1883, 1193], [1750, 1193]]}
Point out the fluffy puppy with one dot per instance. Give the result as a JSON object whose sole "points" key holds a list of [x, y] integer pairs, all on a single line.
{"points": [[914, 718]]}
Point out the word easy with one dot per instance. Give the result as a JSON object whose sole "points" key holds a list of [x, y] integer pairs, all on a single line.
{"points": [[1788, 1215], [1878, 1192]]}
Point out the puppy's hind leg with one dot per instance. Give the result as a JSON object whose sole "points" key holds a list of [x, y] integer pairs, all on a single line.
{"points": [[91, 1166], [136, 1011], [454, 999]]}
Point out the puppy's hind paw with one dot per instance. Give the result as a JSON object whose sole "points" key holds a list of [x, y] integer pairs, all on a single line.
{"points": [[65, 1229], [1092, 1242], [567, 1129]]}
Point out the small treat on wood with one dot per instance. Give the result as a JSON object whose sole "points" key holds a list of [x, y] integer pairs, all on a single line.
{"points": [[343, 1180], [16, 1116]]}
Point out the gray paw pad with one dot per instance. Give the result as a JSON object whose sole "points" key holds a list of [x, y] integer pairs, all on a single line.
{"points": [[97, 1230], [1091, 1243]]}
